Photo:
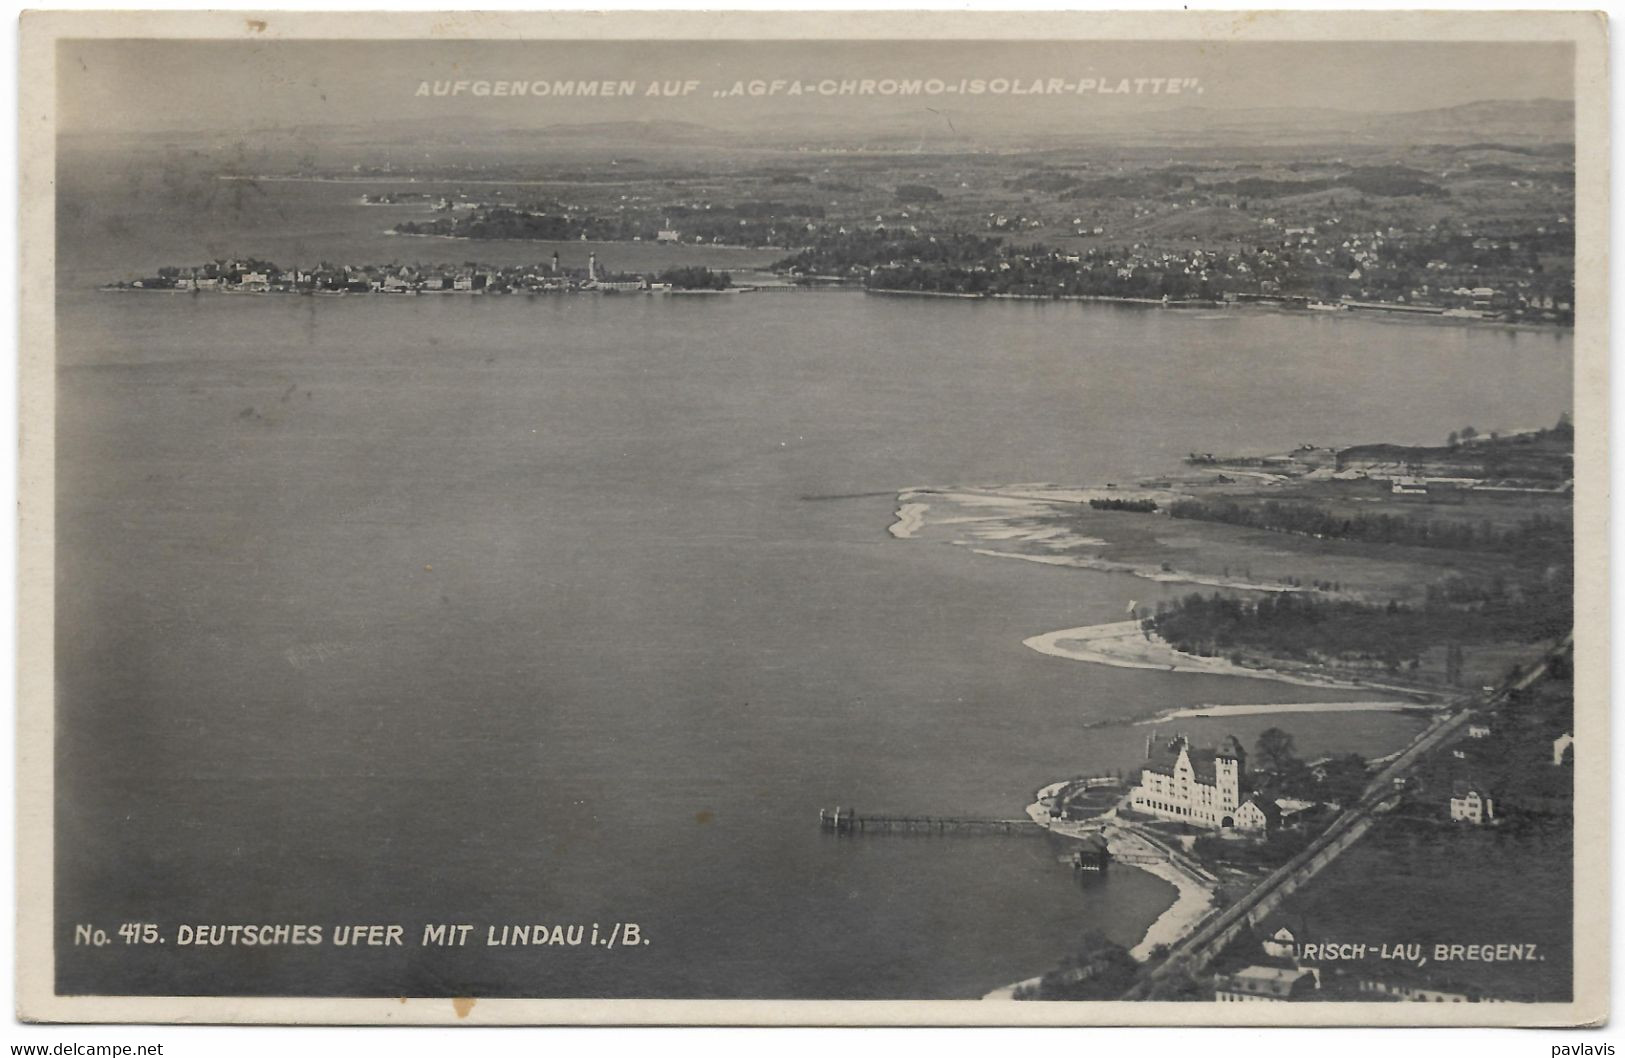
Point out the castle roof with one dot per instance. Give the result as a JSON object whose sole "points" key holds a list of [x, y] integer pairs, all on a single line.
{"points": [[1165, 757]]}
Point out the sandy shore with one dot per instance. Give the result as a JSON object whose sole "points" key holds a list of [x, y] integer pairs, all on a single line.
{"points": [[910, 520], [1192, 904], [1162, 576], [1020, 517], [1126, 645], [1195, 897], [1214, 711]]}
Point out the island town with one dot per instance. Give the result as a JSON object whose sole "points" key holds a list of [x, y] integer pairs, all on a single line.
{"points": [[253, 276]]}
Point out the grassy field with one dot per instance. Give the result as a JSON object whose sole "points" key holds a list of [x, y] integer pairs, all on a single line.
{"points": [[1429, 882], [1216, 555]]}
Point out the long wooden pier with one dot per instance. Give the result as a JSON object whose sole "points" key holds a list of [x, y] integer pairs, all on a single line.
{"points": [[846, 821]]}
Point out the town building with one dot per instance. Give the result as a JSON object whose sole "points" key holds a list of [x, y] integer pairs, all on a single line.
{"points": [[1403, 993], [1198, 786], [620, 286], [1259, 814], [1263, 984], [1092, 856], [1471, 804], [1282, 944], [1562, 748]]}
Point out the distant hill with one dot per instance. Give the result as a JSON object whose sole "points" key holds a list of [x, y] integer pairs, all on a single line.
{"points": [[1528, 126], [640, 132], [1524, 123]]}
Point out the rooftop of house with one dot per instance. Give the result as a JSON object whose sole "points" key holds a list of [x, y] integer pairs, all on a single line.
{"points": [[1164, 757], [1271, 810], [1262, 980]]}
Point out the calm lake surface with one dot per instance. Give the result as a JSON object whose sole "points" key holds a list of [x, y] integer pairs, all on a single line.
{"points": [[513, 610]]}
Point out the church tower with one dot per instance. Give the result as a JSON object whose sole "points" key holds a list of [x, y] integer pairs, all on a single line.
{"points": [[1230, 770]]}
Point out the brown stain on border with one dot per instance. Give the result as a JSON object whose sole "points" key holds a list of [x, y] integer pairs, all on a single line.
{"points": [[463, 1005]]}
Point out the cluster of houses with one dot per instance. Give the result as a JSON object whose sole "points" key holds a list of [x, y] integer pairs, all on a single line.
{"points": [[252, 276], [1413, 471], [1277, 979], [1472, 799], [1363, 266], [1281, 976], [1288, 965], [1207, 787]]}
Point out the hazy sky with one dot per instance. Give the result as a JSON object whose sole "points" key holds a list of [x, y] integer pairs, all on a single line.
{"points": [[165, 85]]}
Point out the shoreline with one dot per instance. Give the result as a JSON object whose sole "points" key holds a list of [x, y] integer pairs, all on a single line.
{"points": [[910, 520], [1161, 576], [1124, 644], [1211, 712], [1025, 505], [1366, 311], [1193, 899], [114, 288], [1190, 907]]}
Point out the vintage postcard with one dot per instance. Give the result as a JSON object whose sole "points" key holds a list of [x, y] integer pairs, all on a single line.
{"points": [[756, 518]]}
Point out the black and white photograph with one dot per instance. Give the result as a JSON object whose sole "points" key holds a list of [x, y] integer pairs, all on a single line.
{"points": [[980, 519]]}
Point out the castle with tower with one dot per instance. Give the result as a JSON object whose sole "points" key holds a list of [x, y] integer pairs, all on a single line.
{"points": [[1198, 786]]}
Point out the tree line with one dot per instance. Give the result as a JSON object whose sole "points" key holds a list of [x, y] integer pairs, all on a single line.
{"points": [[1537, 533], [854, 253], [1298, 626], [695, 277], [1138, 506]]}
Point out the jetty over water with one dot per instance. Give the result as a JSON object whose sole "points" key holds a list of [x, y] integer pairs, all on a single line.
{"points": [[846, 821]]}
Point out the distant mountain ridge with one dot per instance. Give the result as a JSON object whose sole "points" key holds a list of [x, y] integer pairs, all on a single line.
{"points": [[1007, 123], [1522, 121]]}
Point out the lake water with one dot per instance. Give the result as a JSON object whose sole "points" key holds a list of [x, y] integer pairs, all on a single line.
{"points": [[514, 610]]}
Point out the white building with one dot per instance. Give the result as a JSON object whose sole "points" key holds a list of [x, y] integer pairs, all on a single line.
{"points": [[1282, 944], [1198, 786], [1258, 814], [1469, 804], [1409, 994], [1562, 746], [1263, 984]]}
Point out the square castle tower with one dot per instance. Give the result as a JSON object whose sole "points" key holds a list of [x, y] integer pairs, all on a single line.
{"points": [[1199, 786]]}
